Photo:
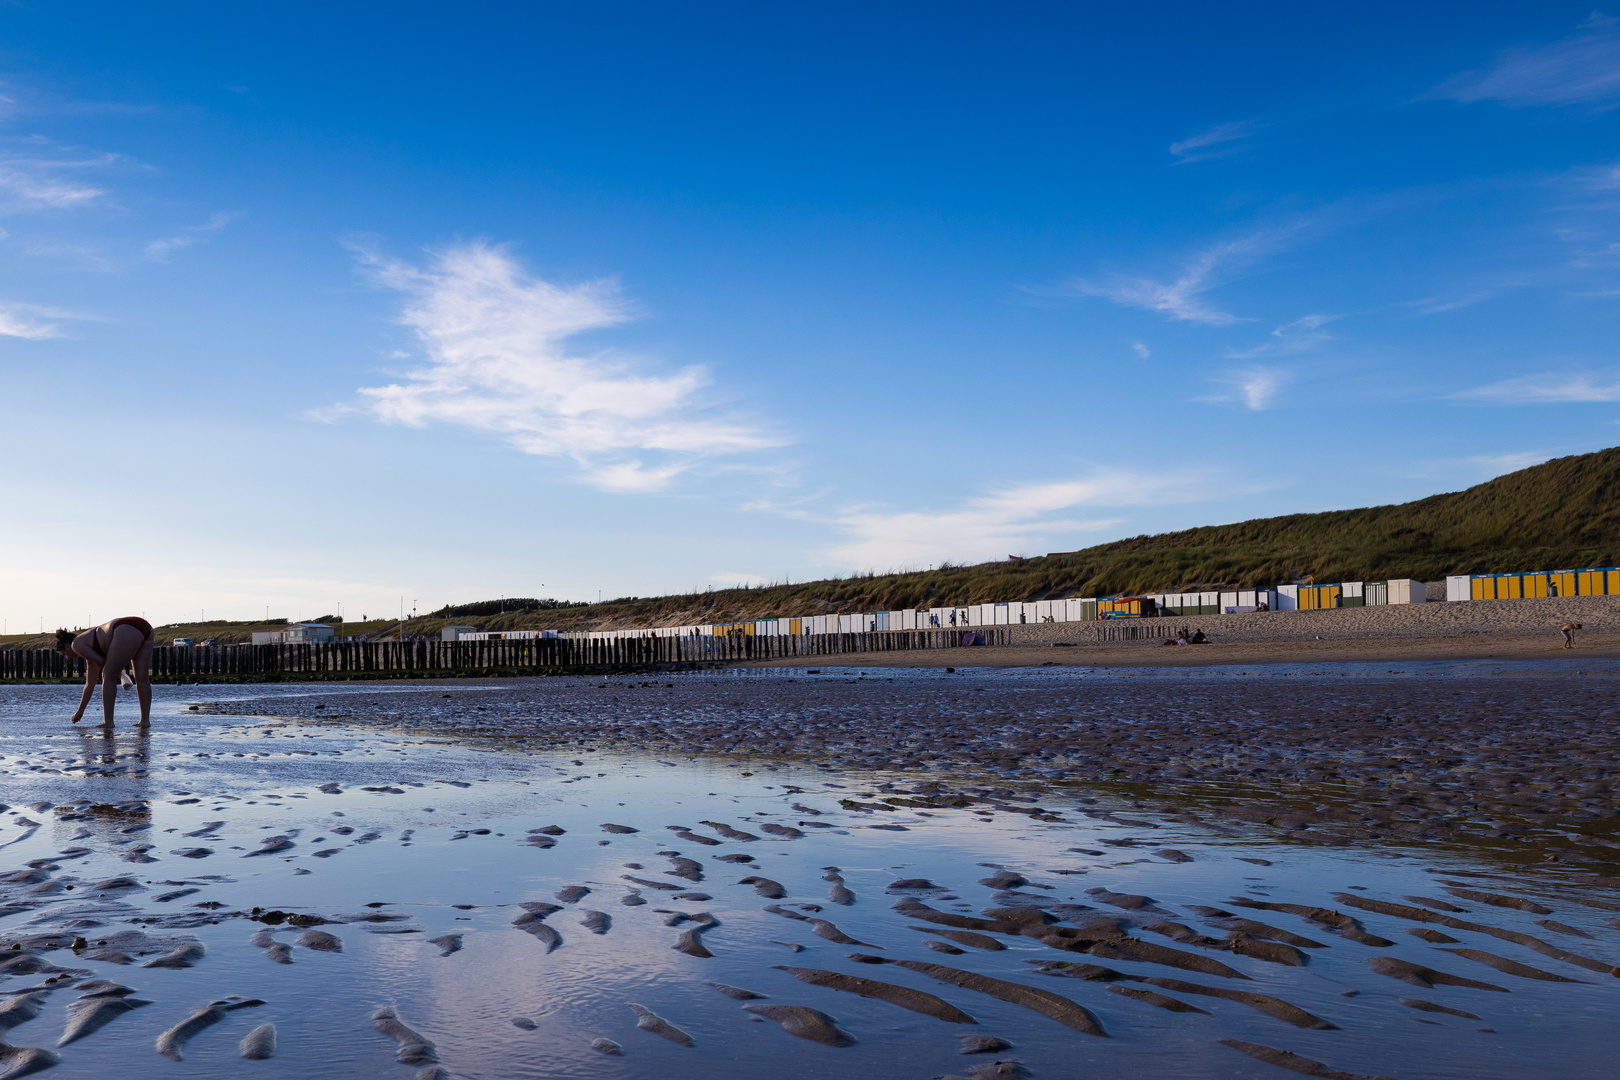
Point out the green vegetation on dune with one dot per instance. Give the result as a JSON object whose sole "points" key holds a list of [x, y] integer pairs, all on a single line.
{"points": [[1558, 515]]}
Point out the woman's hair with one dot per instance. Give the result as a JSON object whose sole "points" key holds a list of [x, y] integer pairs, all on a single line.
{"points": [[64, 640]]}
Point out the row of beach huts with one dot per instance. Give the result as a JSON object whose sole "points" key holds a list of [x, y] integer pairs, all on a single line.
{"points": [[1598, 581]]}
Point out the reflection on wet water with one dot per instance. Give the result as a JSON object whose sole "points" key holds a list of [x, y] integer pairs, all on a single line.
{"points": [[467, 881]]}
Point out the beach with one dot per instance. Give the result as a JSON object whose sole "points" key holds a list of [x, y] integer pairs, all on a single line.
{"points": [[871, 870]]}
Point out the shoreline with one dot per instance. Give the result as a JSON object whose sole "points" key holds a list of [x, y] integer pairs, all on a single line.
{"points": [[1129, 654], [1154, 654]]}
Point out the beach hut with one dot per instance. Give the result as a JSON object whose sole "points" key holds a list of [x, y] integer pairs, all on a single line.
{"points": [[1126, 607], [1601, 581], [1524, 585], [1241, 601], [1406, 591], [1321, 597]]}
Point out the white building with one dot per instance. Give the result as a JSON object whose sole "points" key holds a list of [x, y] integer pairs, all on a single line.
{"points": [[296, 634]]}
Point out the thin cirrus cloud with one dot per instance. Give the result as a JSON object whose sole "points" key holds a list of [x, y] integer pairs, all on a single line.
{"points": [[1004, 522], [498, 360], [1222, 140], [160, 250], [1476, 468], [733, 579], [1256, 387], [1439, 305], [31, 322], [1182, 299], [1302, 335], [33, 182], [1545, 389], [1582, 69]]}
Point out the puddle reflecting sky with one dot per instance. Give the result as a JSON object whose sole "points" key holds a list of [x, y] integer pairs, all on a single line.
{"points": [[263, 778]]}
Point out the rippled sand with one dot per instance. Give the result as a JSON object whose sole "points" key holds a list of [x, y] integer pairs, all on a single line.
{"points": [[1077, 873]]}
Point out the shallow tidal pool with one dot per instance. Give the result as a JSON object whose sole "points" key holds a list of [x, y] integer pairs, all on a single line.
{"points": [[412, 856]]}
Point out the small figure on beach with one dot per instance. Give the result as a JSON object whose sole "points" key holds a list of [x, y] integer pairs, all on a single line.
{"points": [[109, 650], [1568, 630]]}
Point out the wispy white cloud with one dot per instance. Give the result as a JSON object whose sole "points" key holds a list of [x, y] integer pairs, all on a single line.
{"points": [[32, 322], [1476, 468], [1219, 141], [160, 250], [1501, 464], [1255, 387], [1546, 389], [1599, 178], [1182, 298], [38, 179], [733, 579], [1582, 69], [498, 360], [1438, 305], [80, 256], [1003, 522], [1142, 351], [1290, 339]]}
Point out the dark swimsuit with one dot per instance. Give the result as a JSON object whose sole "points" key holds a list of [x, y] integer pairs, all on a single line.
{"points": [[130, 620]]}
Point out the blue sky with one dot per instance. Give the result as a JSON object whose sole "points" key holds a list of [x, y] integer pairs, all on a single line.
{"points": [[303, 305]]}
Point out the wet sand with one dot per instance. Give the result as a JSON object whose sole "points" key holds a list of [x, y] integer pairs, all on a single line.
{"points": [[1215, 872]]}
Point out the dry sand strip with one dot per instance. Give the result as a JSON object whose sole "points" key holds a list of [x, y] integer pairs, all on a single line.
{"points": [[1472, 630]]}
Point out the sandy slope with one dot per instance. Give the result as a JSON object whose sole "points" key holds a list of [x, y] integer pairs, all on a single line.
{"points": [[1482, 629]]}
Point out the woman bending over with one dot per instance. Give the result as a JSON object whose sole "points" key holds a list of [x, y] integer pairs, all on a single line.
{"points": [[108, 649]]}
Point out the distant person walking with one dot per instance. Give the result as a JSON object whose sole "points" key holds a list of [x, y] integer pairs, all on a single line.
{"points": [[108, 650], [1568, 630]]}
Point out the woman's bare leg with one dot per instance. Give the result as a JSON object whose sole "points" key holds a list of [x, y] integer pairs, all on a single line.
{"points": [[121, 649], [143, 681]]}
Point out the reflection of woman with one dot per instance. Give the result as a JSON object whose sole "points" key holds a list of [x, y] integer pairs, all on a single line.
{"points": [[107, 650]]}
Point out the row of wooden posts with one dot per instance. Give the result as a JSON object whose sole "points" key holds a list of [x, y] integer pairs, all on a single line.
{"points": [[488, 657], [1129, 630]]}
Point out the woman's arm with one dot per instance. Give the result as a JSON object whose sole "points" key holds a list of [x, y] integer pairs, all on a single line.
{"points": [[92, 675], [85, 646]]}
